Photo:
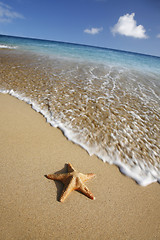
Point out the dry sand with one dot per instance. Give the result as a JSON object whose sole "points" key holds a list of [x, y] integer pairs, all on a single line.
{"points": [[29, 206]]}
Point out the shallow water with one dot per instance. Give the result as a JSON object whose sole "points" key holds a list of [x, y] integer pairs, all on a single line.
{"points": [[112, 110]]}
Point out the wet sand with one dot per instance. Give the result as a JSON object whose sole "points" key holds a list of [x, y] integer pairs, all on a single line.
{"points": [[29, 206]]}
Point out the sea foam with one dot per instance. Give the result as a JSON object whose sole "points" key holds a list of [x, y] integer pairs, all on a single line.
{"points": [[109, 108], [141, 174], [7, 46]]}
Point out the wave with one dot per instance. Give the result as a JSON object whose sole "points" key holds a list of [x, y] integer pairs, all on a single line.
{"points": [[142, 174], [7, 46], [110, 111]]}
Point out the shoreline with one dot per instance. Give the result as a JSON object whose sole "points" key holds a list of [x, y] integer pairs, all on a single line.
{"points": [[31, 148], [116, 141], [124, 169]]}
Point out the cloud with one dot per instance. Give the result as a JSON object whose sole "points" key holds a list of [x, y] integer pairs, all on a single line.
{"points": [[127, 26], [158, 36], [7, 14], [93, 31]]}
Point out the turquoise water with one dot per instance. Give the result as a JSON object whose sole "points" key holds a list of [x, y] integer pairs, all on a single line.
{"points": [[105, 100], [81, 52]]}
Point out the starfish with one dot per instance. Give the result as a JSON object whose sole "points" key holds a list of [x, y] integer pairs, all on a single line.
{"points": [[73, 180]]}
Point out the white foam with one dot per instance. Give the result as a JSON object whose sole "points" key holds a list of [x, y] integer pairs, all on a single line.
{"points": [[7, 46], [142, 174]]}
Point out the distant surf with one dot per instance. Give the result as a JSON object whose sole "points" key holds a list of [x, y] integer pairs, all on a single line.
{"points": [[105, 100], [7, 46]]}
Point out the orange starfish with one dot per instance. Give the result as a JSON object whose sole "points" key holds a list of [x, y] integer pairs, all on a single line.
{"points": [[73, 180]]}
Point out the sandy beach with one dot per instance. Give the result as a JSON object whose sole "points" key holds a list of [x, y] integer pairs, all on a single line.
{"points": [[29, 206]]}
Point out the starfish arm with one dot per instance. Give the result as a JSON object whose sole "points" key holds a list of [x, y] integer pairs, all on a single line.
{"points": [[68, 188], [83, 189], [70, 167], [86, 177], [59, 177]]}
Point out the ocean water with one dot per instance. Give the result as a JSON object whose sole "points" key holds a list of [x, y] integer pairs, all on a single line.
{"points": [[105, 100]]}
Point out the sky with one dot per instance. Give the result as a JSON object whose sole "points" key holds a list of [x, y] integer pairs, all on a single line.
{"points": [[130, 25]]}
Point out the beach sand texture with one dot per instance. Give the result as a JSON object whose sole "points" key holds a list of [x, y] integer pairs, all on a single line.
{"points": [[29, 206]]}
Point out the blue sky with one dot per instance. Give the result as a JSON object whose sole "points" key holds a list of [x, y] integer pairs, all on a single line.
{"points": [[131, 25]]}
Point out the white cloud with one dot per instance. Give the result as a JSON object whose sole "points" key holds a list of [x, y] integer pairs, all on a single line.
{"points": [[7, 14], [127, 26], [93, 31], [158, 36]]}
